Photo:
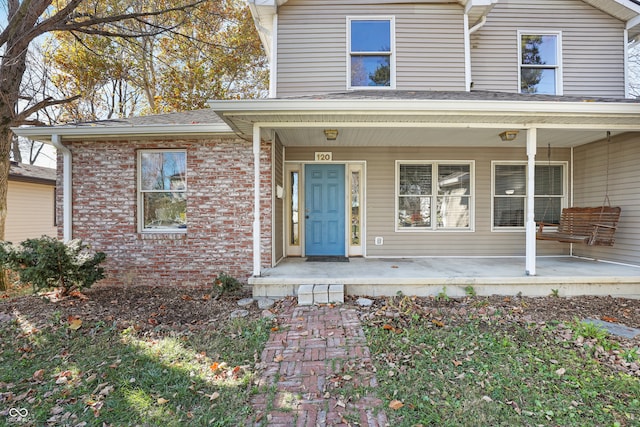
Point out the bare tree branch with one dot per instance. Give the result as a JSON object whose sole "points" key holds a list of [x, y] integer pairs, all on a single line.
{"points": [[21, 118]]}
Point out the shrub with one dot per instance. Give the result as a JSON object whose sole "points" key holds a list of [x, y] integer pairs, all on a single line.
{"points": [[46, 262], [224, 284]]}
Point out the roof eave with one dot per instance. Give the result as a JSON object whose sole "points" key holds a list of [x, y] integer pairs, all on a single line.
{"points": [[44, 134], [398, 105]]}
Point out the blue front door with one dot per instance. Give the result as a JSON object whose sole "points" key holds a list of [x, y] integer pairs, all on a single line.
{"points": [[324, 210]]}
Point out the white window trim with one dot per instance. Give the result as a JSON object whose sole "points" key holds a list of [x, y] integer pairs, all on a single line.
{"points": [[434, 225], [140, 202], [558, 67], [392, 58], [565, 192]]}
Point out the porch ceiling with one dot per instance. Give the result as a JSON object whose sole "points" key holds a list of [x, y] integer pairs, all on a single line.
{"points": [[431, 137]]}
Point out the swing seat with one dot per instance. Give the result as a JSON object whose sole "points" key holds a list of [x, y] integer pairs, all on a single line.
{"points": [[591, 226]]}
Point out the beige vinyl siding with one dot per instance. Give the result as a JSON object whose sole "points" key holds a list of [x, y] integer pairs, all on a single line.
{"points": [[278, 206], [592, 46], [312, 45], [29, 211], [591, 164], [381, 193]]}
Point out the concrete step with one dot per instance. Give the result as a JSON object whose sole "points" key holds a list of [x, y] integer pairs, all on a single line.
{"points": [[320, 294]]}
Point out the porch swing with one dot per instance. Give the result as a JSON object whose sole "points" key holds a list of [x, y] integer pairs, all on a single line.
{"points": [[593, 226]]}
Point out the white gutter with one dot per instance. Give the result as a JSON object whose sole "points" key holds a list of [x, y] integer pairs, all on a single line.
{"points": [[339, 106], [36, 132], [66, 187]]}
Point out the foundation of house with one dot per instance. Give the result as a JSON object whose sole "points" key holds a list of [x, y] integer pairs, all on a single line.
{"points": [[455, 277]]}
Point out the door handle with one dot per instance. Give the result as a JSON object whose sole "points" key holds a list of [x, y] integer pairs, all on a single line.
{"points": [[306, 217]]}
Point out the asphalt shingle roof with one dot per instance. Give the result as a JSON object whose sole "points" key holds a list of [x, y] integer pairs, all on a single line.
{"points": [[476, 95], [203, 116], [31, 173]]}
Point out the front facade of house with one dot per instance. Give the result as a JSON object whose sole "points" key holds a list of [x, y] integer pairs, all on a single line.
{"points": [[393, 130]]}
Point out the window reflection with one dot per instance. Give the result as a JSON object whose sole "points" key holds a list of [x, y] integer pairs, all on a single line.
{"points": [[539, 62], [294, 226], [163, 186], [355, 208], [370, 51]]}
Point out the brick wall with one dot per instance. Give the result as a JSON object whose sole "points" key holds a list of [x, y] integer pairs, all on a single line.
{"points": [[219, 211]]}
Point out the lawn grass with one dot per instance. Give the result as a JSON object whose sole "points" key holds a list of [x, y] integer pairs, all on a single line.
{"points": [[94, 373], [482, 371]]}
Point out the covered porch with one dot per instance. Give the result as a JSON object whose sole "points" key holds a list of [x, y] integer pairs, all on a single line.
{"points": [[504, 151], [454, 276]]}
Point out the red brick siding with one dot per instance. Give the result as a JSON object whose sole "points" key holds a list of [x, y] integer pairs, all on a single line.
{"points": [[219, 236]]}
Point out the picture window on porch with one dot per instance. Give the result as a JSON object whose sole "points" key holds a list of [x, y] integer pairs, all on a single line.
{"points": [[509, 194], [434, 196], [540, 70], [162, 190], [371, 52]]}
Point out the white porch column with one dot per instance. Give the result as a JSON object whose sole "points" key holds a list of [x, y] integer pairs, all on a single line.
{"points": [[530, 264], [257, 267]]}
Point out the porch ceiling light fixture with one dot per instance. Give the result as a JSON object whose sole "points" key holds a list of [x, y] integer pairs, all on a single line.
{"points": [[331, 134], [509, 135]]}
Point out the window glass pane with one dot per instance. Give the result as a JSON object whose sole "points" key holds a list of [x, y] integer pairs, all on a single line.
{"points": [[294, 231], [508, 211], [163, 171], [510, 180], [549, 180], [453, 211], [165, 210], [415, 179], [538, 80], [414, 212], [548, 209], [372, 70], [454, 179], [371, 36], [355, 208], [539, 50]]}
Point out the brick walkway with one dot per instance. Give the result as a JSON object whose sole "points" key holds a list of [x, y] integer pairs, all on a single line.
{"points": [[312, 362]]}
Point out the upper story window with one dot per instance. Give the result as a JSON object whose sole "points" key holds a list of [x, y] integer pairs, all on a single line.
{"points": [[540, 63], [162, 190], [434, 195], [371, 62]]}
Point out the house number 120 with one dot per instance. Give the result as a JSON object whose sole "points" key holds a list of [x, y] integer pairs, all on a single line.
{"points": [[324, 156]]}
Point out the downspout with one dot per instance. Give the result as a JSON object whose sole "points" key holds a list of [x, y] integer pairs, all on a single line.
{"points": [[530, 263], [479, 25], [66, 187], [273, 68], [467, 53], [627, 84], [257, 267], [467, 47]]}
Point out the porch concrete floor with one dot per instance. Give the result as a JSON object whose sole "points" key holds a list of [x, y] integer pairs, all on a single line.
{"points": [[570, 276]]}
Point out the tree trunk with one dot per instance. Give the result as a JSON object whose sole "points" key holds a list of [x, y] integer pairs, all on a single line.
{"points": [[15, 149]]}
